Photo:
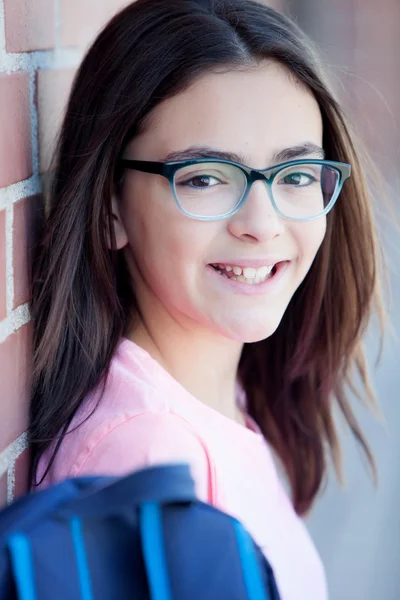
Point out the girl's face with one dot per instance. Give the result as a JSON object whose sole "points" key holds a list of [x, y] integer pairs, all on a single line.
{"points": [[256, 114]]}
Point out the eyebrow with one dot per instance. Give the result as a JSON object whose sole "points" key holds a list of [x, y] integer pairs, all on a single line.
{"points": [[286, 154]]}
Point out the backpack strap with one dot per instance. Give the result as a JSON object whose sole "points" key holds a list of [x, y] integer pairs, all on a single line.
{"points": [[153, 548], [163, 484], [26, 511]]}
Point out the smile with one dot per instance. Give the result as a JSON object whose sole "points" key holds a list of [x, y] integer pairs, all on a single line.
{"points": [[249, 275]]}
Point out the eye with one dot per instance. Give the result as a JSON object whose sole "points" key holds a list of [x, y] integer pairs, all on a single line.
{"points": [[297, 179], [200, 181]]}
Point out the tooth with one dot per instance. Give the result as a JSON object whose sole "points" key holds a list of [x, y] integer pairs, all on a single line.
{"points": [[228, 268], [221, 266], [263, 271], [249, 272], [242, 279], [237, 270]]}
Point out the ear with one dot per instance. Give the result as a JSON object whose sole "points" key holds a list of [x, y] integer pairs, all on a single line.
{"points": [[121, 237]]}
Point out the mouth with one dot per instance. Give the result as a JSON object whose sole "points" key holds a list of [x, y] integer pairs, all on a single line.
{"points": [[249, 275]]}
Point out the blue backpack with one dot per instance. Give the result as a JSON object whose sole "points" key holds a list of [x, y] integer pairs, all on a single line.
{"points": [[143, 537]]}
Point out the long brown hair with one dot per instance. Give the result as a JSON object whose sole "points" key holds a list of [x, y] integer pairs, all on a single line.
{"points": [[82, 298]]}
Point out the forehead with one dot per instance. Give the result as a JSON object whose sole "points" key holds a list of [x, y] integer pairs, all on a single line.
{"points": [[254, 112]]}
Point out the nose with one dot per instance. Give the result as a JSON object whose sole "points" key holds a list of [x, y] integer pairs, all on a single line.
{"points": [[257, 220]]}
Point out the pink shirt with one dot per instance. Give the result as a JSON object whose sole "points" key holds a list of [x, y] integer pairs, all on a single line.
{"points": [[146, 417]]}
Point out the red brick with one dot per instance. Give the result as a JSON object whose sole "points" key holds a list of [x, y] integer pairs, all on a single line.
{"points": [[2, 264], [53, 90], [15, 128], [80, 21], [3, 490], [21, 474], [15, 364], [52, 94], [27, 220], [29, 25]]}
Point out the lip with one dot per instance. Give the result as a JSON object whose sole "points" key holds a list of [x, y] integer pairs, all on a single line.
{"points": [[239, 287], [252, 262]]}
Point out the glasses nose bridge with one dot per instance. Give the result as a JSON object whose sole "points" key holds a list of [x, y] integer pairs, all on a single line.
{"points": [[255, 175]]}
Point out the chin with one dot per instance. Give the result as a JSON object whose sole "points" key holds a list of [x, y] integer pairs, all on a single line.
{"points": [[255, 333]]}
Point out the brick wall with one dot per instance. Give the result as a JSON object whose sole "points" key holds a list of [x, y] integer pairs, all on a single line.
{"points": [[41, 44]]}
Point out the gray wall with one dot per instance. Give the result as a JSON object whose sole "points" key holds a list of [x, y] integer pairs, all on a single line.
{"points": [[357, 529]]}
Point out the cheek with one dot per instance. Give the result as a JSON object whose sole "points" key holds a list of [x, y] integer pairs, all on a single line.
{"points": [[165, 243], [310, 236], [180, 243]]}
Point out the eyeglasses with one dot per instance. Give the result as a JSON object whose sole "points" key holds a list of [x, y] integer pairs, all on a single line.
{"points": [[213, 189]]}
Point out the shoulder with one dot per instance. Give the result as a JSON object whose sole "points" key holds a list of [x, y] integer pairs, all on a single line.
{"points": [[144, 440], [129, 441], [128, 426], [140, 440]]}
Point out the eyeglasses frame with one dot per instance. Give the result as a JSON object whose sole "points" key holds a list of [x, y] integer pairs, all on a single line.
{"points": [[169, 170]]}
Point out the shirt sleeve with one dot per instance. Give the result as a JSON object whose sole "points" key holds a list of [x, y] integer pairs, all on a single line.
{"points": [[146, 440]]}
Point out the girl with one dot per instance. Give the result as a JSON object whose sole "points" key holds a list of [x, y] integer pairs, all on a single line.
{"points": [[206, 270]]}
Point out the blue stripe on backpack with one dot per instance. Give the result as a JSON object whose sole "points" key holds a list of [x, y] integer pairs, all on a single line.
{"points": [[81, 559], [22, 566]]}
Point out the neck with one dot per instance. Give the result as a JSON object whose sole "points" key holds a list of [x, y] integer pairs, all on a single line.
{"points": [[202, 361]]}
